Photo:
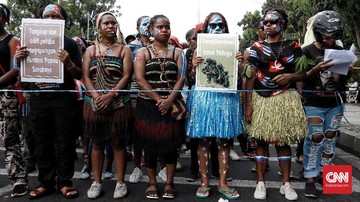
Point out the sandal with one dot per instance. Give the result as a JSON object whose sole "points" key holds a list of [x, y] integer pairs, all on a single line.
{"points": [[229, 193], [203, 192], [169, 193], [152, 194], [40, 192], [69, 192]]}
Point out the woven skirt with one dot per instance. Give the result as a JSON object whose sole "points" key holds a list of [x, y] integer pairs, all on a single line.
{"points": [[160, 133], [116, 124], [279, 119]]}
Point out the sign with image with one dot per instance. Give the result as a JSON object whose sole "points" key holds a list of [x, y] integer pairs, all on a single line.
{"points": [[43, 38], [219, 71]]}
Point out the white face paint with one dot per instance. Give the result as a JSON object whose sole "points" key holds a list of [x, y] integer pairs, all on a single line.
{"points": [[144, 26], [216, 25]]}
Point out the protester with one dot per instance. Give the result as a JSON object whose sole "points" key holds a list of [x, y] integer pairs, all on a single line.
{"points": [[274, 111], [107, 68], [9, 117], [159, 67], [53, 118], [194, 142], [142, 40], [207, 121], [322, 99]]}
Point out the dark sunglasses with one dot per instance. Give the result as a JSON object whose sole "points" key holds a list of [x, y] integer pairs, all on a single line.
{"points": [[272, 22], [335, 36], [214, 25]]}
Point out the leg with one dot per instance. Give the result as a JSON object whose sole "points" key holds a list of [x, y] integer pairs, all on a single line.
{"points": [[151, 162], [120, 167], [97, 159], [261, 159], [284, 157], [203, 160], [14, 160], [223, 159], [170, 160]]}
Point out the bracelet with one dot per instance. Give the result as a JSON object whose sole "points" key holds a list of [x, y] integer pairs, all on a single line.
{"points": [[114, 92]]}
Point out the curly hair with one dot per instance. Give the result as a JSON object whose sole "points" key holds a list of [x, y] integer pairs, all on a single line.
{"points": [[207, 19]]}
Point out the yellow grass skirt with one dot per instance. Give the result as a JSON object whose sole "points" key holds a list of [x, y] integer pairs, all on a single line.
{"points": [[280, 119]]}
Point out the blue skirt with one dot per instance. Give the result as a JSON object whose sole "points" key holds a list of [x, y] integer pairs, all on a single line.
{"points": [[214, 114]]}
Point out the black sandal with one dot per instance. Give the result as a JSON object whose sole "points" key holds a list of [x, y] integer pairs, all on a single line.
{"points": [[152, 194], [169, 193]]}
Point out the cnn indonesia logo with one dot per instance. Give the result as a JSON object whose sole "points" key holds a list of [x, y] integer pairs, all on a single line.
{"points": [[338, 179]]}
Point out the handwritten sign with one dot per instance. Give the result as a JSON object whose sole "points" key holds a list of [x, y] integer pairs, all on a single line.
{"points": [[43, 39], [342, 60], [219, 71]]}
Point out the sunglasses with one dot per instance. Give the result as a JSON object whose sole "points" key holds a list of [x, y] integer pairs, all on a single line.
{"points": [[335, 36], [214, 25], [272, 22]]}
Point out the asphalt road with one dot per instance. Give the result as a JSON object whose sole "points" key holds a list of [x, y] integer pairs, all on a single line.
{"points": [[244, 181]]}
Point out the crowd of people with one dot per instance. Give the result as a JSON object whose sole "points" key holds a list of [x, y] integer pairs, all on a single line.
{"points": [[114, 116]]}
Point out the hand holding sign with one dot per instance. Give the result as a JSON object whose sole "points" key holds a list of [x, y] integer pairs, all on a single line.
{"points": [[342, 59]]}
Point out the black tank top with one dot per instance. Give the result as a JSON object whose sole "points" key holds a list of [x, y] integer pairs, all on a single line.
{"points": [[5, 55]]}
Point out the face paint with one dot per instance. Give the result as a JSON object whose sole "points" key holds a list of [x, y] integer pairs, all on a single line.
{"points": [[144, 26], [216, 26], [277, 28]]}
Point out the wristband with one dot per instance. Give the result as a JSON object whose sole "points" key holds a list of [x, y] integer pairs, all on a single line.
{"points": [[114, 92]]}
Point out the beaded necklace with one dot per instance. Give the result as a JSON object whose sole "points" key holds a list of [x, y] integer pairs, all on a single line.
{"points": [[279, 51], [3, 37], [162, 63]]}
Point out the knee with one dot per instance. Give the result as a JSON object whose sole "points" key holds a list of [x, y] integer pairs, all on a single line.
{"points": [[205, 143], [317, 138], [223, 143], [330, 134]]}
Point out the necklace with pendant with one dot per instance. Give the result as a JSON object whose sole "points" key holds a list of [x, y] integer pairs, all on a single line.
{"points": [[279, 52], [108, 50]]}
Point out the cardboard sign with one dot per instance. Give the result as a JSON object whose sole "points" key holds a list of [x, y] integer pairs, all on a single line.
{"points": [[219, 71], [43, 39]]}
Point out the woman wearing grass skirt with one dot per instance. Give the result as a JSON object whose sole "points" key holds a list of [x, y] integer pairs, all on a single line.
{"points": [[274, 111], [213, 115]]}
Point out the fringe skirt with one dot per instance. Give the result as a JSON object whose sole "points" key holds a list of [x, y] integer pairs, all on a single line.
{"points": [[279, 119], [116, 124], [214, 114], [160, 133]]}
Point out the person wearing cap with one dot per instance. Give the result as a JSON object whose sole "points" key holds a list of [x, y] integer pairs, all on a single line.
{"points": [[15, 163], [53, 118]]}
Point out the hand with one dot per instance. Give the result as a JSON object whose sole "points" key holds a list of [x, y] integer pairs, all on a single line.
{"points": [[282, 79], [163, 105], [21, 52], [248, 113], [197, 60], [64, 57], [103, 101], [324, 65], [239, 57]]}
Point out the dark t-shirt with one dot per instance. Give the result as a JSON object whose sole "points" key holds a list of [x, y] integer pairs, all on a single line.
{"points": [[5, 58], [73, 49], [324, 84], [270, 61]]}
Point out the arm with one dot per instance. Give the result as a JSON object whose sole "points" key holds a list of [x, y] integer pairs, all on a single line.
{"points": [[165, 104], [14, 72], [139, 69], [86, 73], [249, 86], [72, 62], [105, 99]]}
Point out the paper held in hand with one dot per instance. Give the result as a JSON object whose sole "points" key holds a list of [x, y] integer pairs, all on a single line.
{"points": [[342, 60]]}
